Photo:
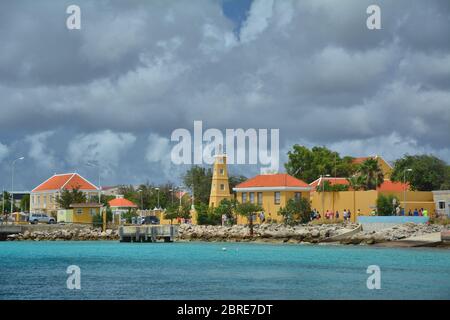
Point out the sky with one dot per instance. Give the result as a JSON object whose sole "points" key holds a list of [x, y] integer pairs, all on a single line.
{"points": [[116, 89]]}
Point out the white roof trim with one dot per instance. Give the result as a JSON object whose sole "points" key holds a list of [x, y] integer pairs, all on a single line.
{"points": [[249, 189]]}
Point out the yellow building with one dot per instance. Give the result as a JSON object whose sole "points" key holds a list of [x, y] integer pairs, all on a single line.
{"points": [[363, 202], [80, 213], [271, 192], [385, 167], [220, 188], [43, 197]]}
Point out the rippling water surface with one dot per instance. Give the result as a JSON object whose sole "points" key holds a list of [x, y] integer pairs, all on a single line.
{"points": [[112, 270]]}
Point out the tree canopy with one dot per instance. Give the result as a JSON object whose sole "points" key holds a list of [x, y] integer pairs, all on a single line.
{"points": [[308, 164], [67, 197], [296, 210], [428, 172]]}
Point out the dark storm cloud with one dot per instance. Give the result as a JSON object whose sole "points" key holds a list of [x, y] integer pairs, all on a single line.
{"points": [[137, 70]]}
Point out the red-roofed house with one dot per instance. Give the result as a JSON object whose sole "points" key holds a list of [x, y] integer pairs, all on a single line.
{"points": [[43, 197], [271, 191], [119, 206]]}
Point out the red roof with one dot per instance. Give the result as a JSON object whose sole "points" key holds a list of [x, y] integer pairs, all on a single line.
{"points": [[331, 180], [67, 181], [360, 160], [388, 185], [121, 202], [272, 180]]}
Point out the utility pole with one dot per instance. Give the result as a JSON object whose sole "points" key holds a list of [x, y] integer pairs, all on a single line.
{"points": [[12, 182]]}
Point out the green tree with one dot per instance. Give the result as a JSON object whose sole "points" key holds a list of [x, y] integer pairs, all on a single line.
{"points": [[308, 165], [387, 204], [248, 210], [234, 180], [226, 207], [371, 174], [198, 179], [207, 215], [67, 197], [356, 182], [171, 212], [6, 202], [428, 172], [296, 210], [25, 203]]}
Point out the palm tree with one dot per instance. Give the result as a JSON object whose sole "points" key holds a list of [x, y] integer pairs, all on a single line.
{"points": [[371, 174], [356, 182]]}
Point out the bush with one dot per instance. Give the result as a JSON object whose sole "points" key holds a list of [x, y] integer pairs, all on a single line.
{"points": [[385, 205], [97, 221], [296, 211], [207, 216]]}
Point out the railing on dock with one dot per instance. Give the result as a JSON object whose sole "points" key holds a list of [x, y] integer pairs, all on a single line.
{"points": [[148, 233]]}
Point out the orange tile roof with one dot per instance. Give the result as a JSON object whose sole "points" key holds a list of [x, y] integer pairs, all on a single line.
{"points": [[272, 180], [67, 181], [389, 185], [121, 202], [333, 181], [360, 160]]}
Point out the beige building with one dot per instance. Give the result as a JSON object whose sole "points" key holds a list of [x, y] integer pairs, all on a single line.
{"points": [[442, 201], [43, 197]]}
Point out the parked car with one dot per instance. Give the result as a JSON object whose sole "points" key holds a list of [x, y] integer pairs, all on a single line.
{"points": [[41, 218], [150, 220]]}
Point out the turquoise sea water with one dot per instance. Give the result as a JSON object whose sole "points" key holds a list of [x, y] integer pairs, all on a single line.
{"points": [[112, 270]]}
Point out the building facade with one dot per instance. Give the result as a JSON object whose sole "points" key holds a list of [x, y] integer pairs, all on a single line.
{"points": [[271, 192], [441, 199], [43, 197]]}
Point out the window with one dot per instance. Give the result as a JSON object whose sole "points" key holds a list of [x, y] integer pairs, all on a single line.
{"points": [[244, 197], [221, 171], [222, 187], [45, 199], [252, 197], [79, 211], [92, 211], [277, 197], [38, 199], [259, 195], [441, 205], [297, 196]]}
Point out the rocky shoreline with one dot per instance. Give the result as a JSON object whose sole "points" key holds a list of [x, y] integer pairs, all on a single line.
{"points": [[82, 234], [348, 233], [307, 234]]}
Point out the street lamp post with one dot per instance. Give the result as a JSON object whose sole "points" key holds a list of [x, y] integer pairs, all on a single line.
{"points": [[159, 207], [96, 164], [404, 182], [12, 182], [142, 201]]}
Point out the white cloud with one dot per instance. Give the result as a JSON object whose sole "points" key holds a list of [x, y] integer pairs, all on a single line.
{"points": [[104, 147], [158, 148], [39, 150], [258, 19]]}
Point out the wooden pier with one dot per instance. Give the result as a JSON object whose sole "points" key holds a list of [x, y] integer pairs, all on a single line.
{"points": [[148, 233]]}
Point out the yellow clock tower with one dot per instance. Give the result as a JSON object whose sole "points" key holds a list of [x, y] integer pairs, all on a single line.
{"points": [[219, 185]]}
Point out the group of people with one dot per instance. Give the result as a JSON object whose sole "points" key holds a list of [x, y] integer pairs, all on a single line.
{"points": [[330, 215], [417, 213]]}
